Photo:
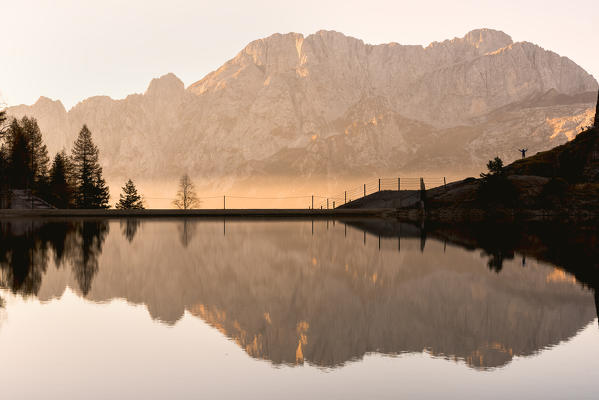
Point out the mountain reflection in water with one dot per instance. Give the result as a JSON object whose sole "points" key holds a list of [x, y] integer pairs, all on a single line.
{"points": [[324, 292]]}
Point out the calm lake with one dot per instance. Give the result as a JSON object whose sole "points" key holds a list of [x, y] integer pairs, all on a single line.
{"points": [[295, 309]]}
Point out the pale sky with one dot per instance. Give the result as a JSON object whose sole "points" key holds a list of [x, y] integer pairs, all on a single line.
{"points": [[73, 49]]}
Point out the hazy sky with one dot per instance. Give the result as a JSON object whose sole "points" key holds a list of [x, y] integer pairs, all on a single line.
{"points": [[73, 49]]}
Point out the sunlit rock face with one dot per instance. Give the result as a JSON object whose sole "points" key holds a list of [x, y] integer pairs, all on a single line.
{"points": [[330, 107], [289, 296]]}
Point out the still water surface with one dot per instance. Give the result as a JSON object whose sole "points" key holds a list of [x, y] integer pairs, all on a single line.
{"points": [[287, 309]]}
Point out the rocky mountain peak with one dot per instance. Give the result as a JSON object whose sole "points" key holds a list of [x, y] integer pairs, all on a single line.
{"points": [[167, 85], [488, 40], [47, 103]]}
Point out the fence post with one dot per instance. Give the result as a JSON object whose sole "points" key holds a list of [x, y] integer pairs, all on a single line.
{"points": [[333, 209], [364, 190], [345, 201], [398, 184], [224, 202], [444, 182], [313, 202], [379, 184], [327, 203]]}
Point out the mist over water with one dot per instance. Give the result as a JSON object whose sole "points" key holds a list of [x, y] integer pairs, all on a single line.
{"points": [[272, 193], [288, 308]]}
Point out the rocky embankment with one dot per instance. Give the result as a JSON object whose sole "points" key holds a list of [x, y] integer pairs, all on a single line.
{"points": [[560, 183]]}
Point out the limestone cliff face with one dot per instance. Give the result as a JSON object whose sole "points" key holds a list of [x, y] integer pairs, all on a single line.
{"points": [[329, 106]]}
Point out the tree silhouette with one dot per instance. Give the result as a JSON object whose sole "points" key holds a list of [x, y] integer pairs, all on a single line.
{"points": [[19, 157], [186, 232], [495, 168], [23, 258], [186, 196], [4, 177], [90, 236], [101, 195], [61, 192], [91, 191], [597, 112], [3, 125], [38, 154], [130, 199], [129, 228], [496, 187]]}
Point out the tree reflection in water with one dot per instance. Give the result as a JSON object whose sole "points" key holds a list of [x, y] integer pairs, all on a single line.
{"points": [[25, 245], [129, 227], [290, 296], [187, 230]]}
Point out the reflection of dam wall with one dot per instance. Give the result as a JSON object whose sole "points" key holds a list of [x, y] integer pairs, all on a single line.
{"points": [[288, 296]]}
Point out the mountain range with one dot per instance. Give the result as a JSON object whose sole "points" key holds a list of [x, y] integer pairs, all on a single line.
{"points": [[292, 112]]}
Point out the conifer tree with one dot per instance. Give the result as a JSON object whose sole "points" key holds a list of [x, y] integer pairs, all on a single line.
{"points": [[38, 154], [101, 195], [27, 155], [597, 113], [61, 191], [18, 156], [130, 199], [91, 190], [4, 178], [2, 120], [3, 164]]}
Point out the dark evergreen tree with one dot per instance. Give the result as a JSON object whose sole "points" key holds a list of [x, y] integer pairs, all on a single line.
{"points": [[27, 155], [4, 178], [495, 168], [130, 199], [91, 190], [597, 113], [101, 195], [19, 156], [3, 119], [4, 165], [38, 153], [61, 190]]}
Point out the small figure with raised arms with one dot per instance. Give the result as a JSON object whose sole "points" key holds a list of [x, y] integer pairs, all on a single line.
{"points": [[523, 151]]}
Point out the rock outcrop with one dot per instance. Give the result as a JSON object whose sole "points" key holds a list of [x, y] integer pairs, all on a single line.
{"points": [[331, 108]]}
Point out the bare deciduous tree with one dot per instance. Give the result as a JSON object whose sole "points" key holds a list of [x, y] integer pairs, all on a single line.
{"points": [[186, 196]]}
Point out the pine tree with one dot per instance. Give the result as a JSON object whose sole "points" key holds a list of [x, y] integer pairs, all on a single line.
{"points": [[597, 113], [101, 195], [4, 178], [18, 156], [91, 190], [4, 164], [3, 119], [27, 155], [61, 191], [130, 199], [38, 155]]}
